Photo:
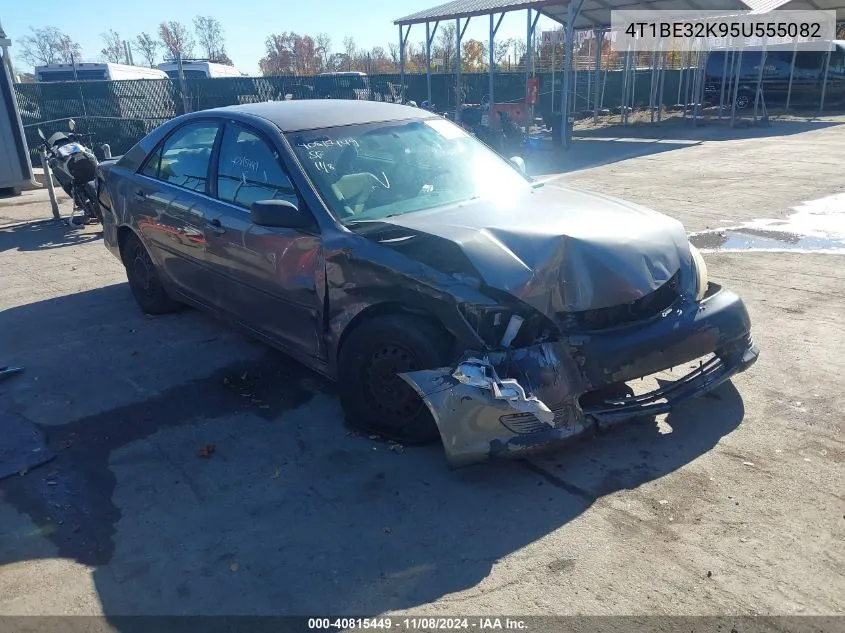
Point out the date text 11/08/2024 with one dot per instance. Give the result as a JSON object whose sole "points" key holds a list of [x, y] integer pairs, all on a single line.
{"points": [[418, 624]]}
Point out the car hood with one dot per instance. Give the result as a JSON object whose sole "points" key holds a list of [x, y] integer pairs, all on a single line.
{"points": [[555, 248]]}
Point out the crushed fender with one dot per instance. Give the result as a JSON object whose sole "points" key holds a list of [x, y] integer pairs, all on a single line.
{"points": [[481, 415]]}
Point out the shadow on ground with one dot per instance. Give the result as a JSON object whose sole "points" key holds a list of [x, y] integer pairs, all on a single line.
{"points": [[586, 153], [616, 143], [237, 490], [706, 129], [46, 235]]}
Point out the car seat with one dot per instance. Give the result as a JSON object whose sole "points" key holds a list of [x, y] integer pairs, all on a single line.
{"points": [[353, 190]]}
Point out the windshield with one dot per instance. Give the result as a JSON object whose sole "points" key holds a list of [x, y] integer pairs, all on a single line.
{"points": [[377, 170]]}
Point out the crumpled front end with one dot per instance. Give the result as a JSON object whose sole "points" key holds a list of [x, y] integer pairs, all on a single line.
{"points": [[482, 415], [511, 402]]}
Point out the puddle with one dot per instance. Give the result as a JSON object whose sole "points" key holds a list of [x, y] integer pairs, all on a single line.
{"points": [[745, 239], [817, 226]]}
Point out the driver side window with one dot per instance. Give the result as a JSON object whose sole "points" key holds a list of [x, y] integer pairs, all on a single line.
{"points": [[249, 170]]}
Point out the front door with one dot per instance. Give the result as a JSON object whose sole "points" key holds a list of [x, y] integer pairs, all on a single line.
{"points": [[267, 276]]}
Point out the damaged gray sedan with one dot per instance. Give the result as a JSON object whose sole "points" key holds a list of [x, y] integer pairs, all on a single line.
{"points": [[448, 294]]}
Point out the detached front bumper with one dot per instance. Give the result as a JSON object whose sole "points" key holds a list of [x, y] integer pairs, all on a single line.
{"points": [[510, 403]]}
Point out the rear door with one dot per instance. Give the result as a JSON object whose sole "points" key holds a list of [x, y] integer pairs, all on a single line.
{"points": [[267, 277], [171, 205]]}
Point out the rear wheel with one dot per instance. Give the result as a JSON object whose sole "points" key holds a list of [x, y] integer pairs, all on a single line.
{"points": [[144, 280], [373, 396]]}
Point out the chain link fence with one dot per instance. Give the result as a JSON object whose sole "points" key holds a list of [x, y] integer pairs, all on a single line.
{"points": [[640, 87], [121, 112]]}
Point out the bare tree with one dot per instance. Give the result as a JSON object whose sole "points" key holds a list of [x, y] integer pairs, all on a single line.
{"points": [[393, 50], [113, 50], [519, 50], [176, 39], [49, 46], [324, 48], [349, 48], [148, 47], [500, 50], [209, 32], [446, 45]]}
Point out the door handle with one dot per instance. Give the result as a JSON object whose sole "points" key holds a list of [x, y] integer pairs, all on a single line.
{"points": [[215, 226]]}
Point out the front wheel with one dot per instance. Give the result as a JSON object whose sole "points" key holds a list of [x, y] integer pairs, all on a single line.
{"points": [[373, 396]]}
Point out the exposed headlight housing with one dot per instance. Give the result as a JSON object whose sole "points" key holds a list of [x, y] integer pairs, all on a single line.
{"points": [[700, 269]]}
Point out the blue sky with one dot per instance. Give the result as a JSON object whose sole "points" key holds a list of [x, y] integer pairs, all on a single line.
{"points": [[246, 24]]}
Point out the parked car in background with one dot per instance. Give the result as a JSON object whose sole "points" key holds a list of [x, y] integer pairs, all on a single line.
{"points": [[448, 294], [807, 76], [343, 85], [192, 69], [95, 71]]}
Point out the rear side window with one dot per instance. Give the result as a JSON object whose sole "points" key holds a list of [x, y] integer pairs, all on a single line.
{"points": [[184, 158], [249, 170]]}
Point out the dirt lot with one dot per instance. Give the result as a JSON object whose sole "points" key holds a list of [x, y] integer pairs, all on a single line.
{"points": [[733, 504]]}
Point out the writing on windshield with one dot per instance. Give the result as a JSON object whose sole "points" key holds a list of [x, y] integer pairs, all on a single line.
{"points": [[372, 171]]}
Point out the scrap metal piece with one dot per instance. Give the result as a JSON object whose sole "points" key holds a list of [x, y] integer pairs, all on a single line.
{"points": [[481, 415], [481, 374], [8, 372]]}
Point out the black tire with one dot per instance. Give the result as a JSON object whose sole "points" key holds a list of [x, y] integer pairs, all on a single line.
{"points": [[373, 397], [144, 280]]}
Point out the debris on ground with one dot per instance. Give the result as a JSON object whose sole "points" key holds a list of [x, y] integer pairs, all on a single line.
{"points": [[206, 451], [747, 463], [233, 567], [8, 372], [397, 448]]}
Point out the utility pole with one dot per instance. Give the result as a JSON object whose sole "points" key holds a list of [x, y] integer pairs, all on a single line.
{"points": [[5, 43]]}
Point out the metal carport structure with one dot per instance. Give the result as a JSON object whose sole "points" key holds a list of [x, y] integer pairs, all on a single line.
{"points": [[572, 15]]}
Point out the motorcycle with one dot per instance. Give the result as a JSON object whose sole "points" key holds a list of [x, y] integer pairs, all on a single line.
{"points": [[506, 141], [75, 167]]}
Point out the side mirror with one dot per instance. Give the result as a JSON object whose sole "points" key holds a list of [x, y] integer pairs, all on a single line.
{"points": [[280, 214], [71, 124], [41, 134], [520, 164]]}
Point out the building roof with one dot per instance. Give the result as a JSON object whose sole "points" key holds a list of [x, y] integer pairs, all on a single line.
{"points": [[309, 114], [596, 13], [764, 6], [469, 8]]}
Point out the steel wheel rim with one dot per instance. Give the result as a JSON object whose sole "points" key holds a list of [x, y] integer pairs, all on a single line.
{"points": [[143, 277], [386, 391]]}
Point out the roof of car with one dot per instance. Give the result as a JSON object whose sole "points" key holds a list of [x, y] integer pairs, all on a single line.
{"points": [[309, 114]]}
